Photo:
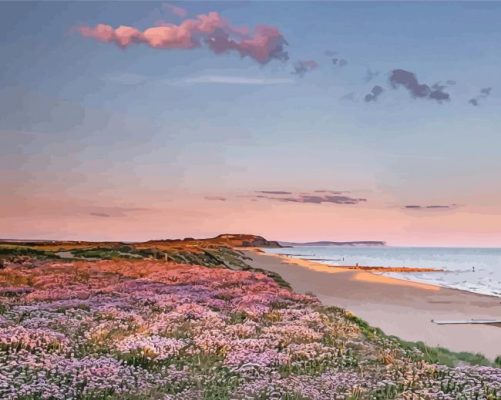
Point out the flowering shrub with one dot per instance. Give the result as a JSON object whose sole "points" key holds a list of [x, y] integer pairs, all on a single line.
{"points": [[151, 347], [145, 329], [15, 338]]}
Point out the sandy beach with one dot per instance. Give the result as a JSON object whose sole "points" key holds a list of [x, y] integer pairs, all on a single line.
{"points": [[398, 307]]}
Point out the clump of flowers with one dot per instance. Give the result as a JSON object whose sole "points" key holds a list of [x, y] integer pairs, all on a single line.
{"points": [[151, 347], [15, 338], [147, 329]]}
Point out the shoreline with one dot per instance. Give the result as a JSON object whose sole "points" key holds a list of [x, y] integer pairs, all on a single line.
{"points": [[380, 271], [369, 268], [399, 307]]}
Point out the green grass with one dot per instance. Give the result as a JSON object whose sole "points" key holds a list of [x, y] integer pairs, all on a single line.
{"points": [[237, 317], [497, 361], [16, 251], [220, 385], [103, 253], [369, 331], [435, 355], [440, 355], [273, 275]]}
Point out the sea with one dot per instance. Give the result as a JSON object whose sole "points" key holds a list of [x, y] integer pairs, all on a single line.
{"points": [[476, 270]]}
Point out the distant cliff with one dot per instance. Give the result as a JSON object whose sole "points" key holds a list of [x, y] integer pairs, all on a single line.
{"points": [[242, 240], [226, 239], [375, 243]]}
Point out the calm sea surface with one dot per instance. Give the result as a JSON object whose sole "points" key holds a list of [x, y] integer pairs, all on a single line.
{"points": [[473, 269]]}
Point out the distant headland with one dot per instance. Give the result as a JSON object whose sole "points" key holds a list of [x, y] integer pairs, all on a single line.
{"points": [[375, 243]]}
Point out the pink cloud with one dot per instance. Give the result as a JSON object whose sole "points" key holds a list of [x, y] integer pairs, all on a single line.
{"points": [[176, 10], [211, 30]]}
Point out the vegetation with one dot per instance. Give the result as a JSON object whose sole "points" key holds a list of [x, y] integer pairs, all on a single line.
{"points": [[19, 251], [213, 253], [141, 326], [434, 355]]}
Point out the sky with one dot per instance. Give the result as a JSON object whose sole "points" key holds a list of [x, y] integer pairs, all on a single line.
{"points": [[297, 121]]}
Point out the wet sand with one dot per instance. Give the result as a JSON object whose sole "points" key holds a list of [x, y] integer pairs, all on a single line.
{"points": [[398, 307]]}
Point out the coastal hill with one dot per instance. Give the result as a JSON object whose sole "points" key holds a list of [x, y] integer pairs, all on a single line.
{"points": [[226, 239], [216, 251], [229, 239], [374, 243], [198, 319]]}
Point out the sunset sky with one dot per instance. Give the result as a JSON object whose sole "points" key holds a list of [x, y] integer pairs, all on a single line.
{"points": [[297, 121]]}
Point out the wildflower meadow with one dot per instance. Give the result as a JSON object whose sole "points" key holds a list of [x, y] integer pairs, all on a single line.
{"points": [[146, 329]]}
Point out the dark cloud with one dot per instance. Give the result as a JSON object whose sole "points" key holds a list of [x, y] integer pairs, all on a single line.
{"points": [[340, 62], [301, 67], [430, 207], [316, 197], [330, 191], [215, 198], [374, 94], [99, 214], [484, 93], [439, 95], [442, 86], [408, 80], [438, 86], [337, 61], [272, 192]]}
